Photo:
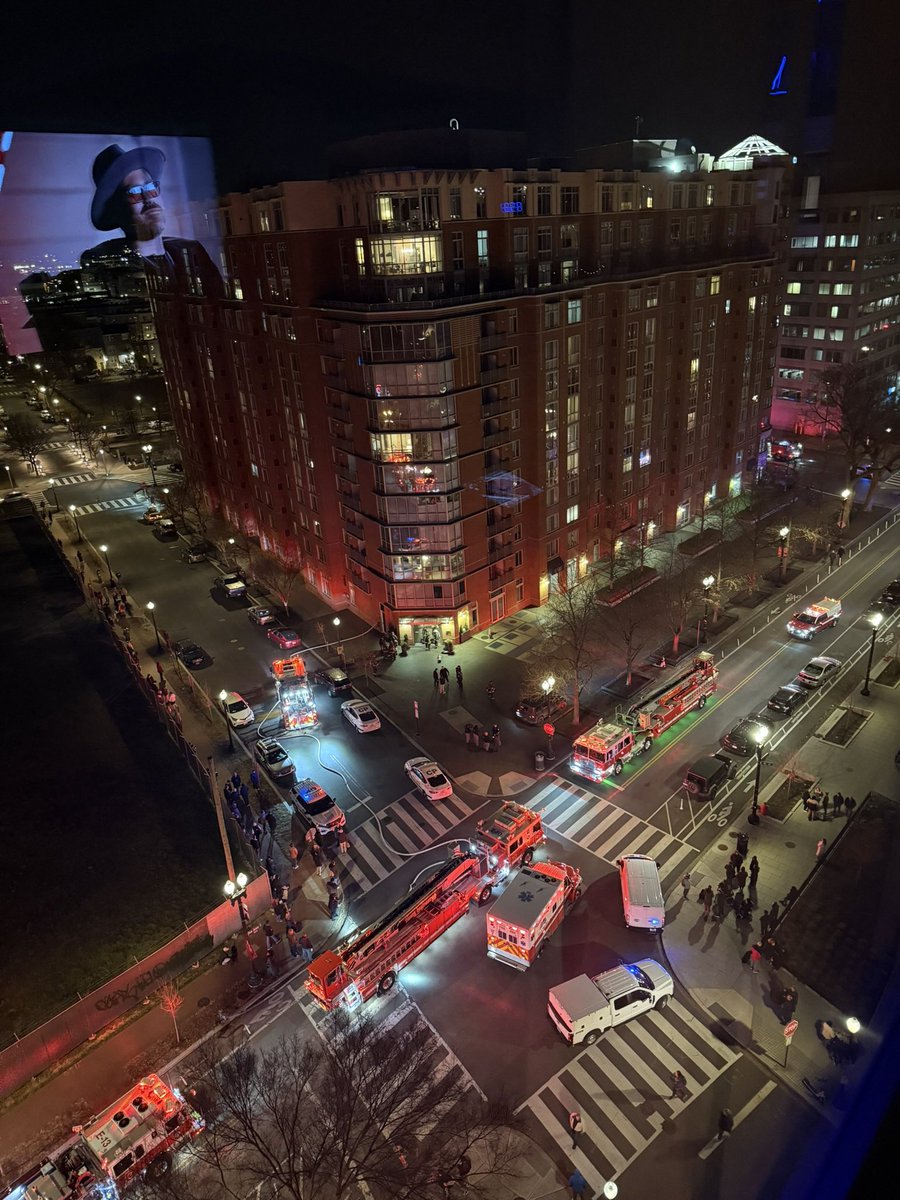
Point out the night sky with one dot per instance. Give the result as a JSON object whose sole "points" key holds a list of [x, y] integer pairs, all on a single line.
{"points": [[274, 82]]}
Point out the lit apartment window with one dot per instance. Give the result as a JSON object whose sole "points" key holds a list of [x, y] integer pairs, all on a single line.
{"points": [[804, 243], [482, 240], [714, 284], [574, 311], [571, 514]]}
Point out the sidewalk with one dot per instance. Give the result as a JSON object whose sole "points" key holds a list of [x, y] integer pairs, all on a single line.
{"points": [[706, 957]]}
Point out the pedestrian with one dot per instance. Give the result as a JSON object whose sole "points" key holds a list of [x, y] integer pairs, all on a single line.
{"points": [[754, 871], [228, 790], [236, 781], [832, 555], [576, 1128], [245, 793], [825, 802], [485, 738], [726, 1123], [755, 957], [444, 675], [746, 912], [491, 691], [679, 1086], [821, 847], [791, 897], [737, 860], [310, 837], [254, 778], [271, 965], [812, 808], [333, 905], [743, 844], [469, 734], [686, 884], [850, 805], [332, 882], [279, 908], [838, 803], [742, 878], [271, 820], [774, 914], [294, 855], [343, 842], [476, 737], [495, 737], [293, 942], [306, 948], [707, 903], [765, 923], [316, 855], [578, 1185], [459, 677], [442, 686], [435, 676], [718, 908], [729, 872], [159, 669], [840, 553]]}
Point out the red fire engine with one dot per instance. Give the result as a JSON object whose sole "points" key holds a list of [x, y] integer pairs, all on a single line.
{"points": [[368, 962], [509, 837], [134, 1136], [607, 746], [298, 709]]}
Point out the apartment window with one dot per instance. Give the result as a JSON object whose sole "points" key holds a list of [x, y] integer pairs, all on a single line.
{"points": [[568, 237], [571, 514], [551, 316], [570, 201], [646, 195], [677, 195], [645, 233], [544, 241], [458, 258], [675, 232], [544, 200], [793, 287], [573, 348], [482, 241], [480, 204], [278, 216], [651, 296], [699, 287], [804, 243], [552, 522], [606, 198], [714, 284], [824, 289], [830, 241], [848, 239], [573, 314], [455, 204], [842, 289], [520, 243]]}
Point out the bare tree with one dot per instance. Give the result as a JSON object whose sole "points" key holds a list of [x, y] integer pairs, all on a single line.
{"points": [[85, 434], [26, 437], [279, 576], [366, 1112], [170, 1000], [186, 501], [854, 405], [679, 588], [626, 628], [568, 646]]}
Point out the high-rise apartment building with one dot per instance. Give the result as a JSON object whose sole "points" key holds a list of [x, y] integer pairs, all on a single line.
{"points": [[447, 390]]}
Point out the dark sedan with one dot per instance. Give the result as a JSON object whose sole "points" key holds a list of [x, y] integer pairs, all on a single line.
{"points": [[891, 594], [786, 699], [746, 736], [191, 654]]}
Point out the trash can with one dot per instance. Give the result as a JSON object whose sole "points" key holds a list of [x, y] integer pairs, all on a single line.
{"points": [[539, 760]]}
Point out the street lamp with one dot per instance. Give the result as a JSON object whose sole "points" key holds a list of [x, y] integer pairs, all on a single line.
{"points": [[707, 581], [52, 483], [760, 736], [10, 475], [223, 696], [843, 520], [875, 620], [148, 449], [75, 519], [547, 686], [105, 461], [151, 609], [104, 550], [783, 534]]}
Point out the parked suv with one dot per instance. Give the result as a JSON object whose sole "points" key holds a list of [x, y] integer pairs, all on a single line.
{"points": [[707, 775], [233, 586], [336, 680], [535, 710]]}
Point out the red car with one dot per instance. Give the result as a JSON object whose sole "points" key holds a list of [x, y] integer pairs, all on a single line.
{"points": [[287, 639]]}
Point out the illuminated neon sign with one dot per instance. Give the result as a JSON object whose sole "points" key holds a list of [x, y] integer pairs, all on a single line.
{"points": [[512, 206]]}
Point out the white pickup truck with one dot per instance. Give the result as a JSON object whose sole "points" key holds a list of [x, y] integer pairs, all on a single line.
{"points": [[232, 585], [583, 1008]]}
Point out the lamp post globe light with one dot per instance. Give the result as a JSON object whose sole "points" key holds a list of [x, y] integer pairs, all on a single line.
{"points": [[223, 696], [547, 686], [52, 483], [760, 737], [104, 550], [844, 519], [875, 620], [707, 581], [151, 609], [75, 519], [783, 534], [148, 451]]}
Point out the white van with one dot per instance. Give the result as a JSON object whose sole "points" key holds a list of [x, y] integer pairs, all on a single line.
{"points": [[642, 896]]}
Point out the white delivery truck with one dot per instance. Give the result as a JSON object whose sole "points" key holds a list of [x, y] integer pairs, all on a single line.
{"points": [[642, 897], [583, 1008]]}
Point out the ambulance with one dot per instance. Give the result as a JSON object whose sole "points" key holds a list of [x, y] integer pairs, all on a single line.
{"points": [[529, 911]]}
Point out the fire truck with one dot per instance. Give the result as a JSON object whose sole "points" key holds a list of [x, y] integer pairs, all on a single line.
{"points": [[298, 709], [605, 748], [368, 962], [528, 912], [134, 1137], [509, 837]]}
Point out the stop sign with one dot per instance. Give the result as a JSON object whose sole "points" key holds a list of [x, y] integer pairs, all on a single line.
{"points": [[790, 1029], [549, 729]]}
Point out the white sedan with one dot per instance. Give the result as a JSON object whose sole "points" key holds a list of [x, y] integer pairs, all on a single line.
{"points": [[237, 710], [428, 777], [817, 671], [361, 716]]}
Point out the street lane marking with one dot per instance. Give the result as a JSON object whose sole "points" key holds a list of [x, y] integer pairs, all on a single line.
{"points": [[741, 1116]]}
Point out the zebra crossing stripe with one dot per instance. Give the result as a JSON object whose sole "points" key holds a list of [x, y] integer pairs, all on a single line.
{"points": [[426, 816], [393, 829]]}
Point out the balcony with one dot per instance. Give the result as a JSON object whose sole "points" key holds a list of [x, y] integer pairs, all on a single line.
{"points": [[351, 499], [359, 583], [496, 408], [354, 525], [496, 460], [499, 523], [496, 374], [499, 551], [492, 341], [501, 575], [343, 442], [358, 556], [496, 439]]}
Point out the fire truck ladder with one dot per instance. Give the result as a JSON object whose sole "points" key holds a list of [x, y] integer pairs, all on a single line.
{"points": [[659, 697]]}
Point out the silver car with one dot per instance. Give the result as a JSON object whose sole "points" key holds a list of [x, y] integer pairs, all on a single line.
{"points": [[818, 670]]}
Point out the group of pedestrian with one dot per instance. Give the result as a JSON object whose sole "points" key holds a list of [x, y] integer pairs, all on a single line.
{"points": [[733, 892], [816, 801], [835, 554], [441, 678], [487, 739]]}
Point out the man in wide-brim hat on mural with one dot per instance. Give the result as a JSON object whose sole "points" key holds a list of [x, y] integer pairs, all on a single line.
{"points": [[128, 195]]}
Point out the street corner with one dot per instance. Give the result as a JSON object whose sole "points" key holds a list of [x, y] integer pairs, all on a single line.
{"points": [[477, 782], [512, 782]]}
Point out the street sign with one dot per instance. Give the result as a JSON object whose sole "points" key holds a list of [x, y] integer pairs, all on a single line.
{"points": [[549, 729], [416, 707], [790, 1029]]}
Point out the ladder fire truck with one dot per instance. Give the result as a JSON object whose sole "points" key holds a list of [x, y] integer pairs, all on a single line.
{"points": [[368, 962], [298, 709], [134, 1137], [509, 837], [605, 748]]}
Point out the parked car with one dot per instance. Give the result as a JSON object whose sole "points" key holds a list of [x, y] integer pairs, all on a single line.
{"points": [[787, 698], [198, 552], [818, 670], [335, 679], [232, 585], [165, 530], [883, 608], [316, 808], [237, 710], [535, 710], [151, 515], [275, 759], [286, 639], [891, 594], [429, 778], [746, 735], [361, 716], [176, 467], [261, 616], [191, 654]]}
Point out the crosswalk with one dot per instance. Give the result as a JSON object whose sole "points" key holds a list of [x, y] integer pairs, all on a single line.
{"points": [[104, 505], [892, 483], [606, 830], [65, 480], [406, 827], [621, 1087]]}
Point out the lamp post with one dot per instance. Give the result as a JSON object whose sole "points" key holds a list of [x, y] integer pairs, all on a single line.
{"points": [[75, 519], [875, 620], [148, 451], [223, 696], [547, 686], [151, 609], [708, 581], [12, 482], [234, 890], [844, 519], [104, 550], [760, 736], [105, 461], [783, 534], [52, 483]]}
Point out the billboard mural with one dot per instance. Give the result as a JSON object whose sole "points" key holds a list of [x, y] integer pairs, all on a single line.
{"points": [[90, 226]]}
